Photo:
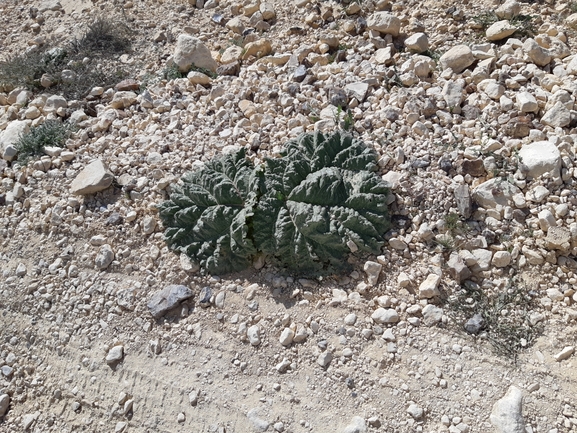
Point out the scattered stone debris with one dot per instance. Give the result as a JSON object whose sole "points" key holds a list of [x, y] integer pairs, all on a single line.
{"points": [[470, 111]]}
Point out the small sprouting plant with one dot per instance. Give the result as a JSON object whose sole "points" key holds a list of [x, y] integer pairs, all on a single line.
{"points": [[50, 133], [452, 221], [446, 242], [347, 121], [392, 79], [454, 224], [313, 112]]}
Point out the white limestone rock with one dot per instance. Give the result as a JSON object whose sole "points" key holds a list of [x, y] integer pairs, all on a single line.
{"points": [[236, 25], [4, 403], [357, 90], [457, 58], [572, 65], [385, 315], [527, 102], [500, 30], [373, 270], [286, 336], [10, 136], [419, 42], [546, 220], [495, 192], [507, 413], [253, 335], [104, 257], [538, 55], [93, 178], [384, 22], [491, 88], [123, 99], [432, 314], [429, 288], [115, 355], [53, 103], [357, 425], [571, 21], [483, 258], [557, 116], [539, 158], [501, 259], [191, 51], [508, 10], [453, 95], [565, 353], [558, 238], [195, 78]]}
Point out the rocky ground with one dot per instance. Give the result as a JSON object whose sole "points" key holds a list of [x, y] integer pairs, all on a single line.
{"points": [[464, 323]]}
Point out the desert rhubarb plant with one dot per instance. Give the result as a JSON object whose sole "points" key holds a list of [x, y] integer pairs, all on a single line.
{"points": [[306, 210]]}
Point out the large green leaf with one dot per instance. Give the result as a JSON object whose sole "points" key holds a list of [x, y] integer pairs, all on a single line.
{"points": [[207, 217], [304, 210], [318, 196]]}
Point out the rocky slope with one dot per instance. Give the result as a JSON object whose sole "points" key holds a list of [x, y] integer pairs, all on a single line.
{"points": [[464, 323]]}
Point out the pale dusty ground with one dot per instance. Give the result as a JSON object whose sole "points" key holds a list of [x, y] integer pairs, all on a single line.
{"points": [[69, 356], [61, 347]]}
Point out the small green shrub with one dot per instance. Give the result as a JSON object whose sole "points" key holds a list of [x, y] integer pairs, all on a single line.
{"points": [[485, 19], [524, 24], [204, 71], [103, 35], [27, 69], [433, 54], [88, 76], [505, 315], [50, 133], [306, 210], [102, 38], [172, 72], [446, 242]]}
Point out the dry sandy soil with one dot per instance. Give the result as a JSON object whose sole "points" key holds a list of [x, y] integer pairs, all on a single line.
{"points": [[194, 369]]}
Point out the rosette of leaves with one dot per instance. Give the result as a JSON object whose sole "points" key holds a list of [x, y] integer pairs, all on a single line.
{"points": [[306, 210], [208, 216], [321, 200]]}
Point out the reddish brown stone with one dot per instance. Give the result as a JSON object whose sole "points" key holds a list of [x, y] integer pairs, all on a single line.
{"points": [[473, 167], [519, 127], [229, 69], [126, 85]]}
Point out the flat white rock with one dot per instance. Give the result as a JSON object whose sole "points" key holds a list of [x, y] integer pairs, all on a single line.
{"points": [[357, 425], [507, 413], [539, 158], [93, 178]]}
